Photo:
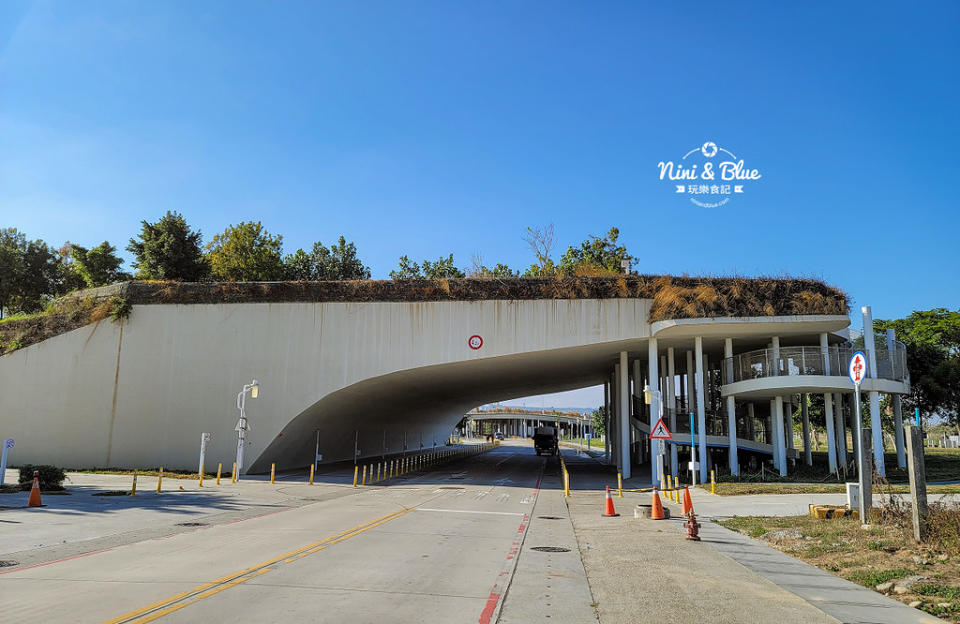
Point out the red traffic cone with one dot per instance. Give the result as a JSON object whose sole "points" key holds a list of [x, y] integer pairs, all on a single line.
{"points": [[35, 491], [609, 512], [656, 509], [687, 503]]}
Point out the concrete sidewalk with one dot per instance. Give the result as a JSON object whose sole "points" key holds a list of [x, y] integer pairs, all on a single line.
{"points": [[646, 571]]}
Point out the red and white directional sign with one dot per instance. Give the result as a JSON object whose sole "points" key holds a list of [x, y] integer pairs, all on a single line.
{"points": [[858, 367], [660, 432]]}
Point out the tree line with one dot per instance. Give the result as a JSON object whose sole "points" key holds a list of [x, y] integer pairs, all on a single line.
{"points": [[32, 272]]}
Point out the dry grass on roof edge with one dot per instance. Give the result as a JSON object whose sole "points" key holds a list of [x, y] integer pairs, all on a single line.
{"points": [[673, 297]]}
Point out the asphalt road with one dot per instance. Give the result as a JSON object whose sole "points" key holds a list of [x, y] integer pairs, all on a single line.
{"points": [[454, 544]]}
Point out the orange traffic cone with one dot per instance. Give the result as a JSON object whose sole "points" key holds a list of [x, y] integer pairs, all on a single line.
{"points": [[656, 509], [609, 512], [35, 491], [687, 503]]}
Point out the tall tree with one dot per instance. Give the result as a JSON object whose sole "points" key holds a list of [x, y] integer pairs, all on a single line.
{"points": [[98, 266], [932, 338], [541, 241], [337, 262], [246, 252], [40, 280], [169, 250], [596, 256], [12, 245]]}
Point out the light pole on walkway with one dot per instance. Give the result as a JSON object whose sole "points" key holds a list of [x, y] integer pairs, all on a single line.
{"points": [[242, 426]]}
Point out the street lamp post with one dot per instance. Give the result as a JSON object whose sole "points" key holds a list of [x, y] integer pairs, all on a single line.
{"points": [[242, 426]]}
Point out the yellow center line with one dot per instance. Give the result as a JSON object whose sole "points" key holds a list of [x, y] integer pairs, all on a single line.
{"points": [[181, 600]]}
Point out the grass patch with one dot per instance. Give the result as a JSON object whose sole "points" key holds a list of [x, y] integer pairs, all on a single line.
{"points": [[938, 589], [870, 578]]}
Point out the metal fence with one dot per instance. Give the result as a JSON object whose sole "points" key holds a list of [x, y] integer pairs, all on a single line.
{"points": [[810, 361]]}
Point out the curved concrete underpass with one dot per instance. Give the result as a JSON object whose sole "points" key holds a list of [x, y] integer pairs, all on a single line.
{"points": [[384, 377]]}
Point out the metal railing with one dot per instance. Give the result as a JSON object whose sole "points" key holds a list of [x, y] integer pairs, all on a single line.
{"points": [[810, 361]]}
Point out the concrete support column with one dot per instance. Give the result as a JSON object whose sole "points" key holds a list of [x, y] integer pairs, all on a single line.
{"points": [[672, 404], [874, 396], [807, 450], [772, 429], [615, 421], [898, 426], [624, 416], [831, 431], [897, 407], [637, 393], [781, 448], [653, 374], [691, 386], [750, 419], [775, 357], [840, 417], [606, 422], [731, 416], [701, 409], [788, 421]]}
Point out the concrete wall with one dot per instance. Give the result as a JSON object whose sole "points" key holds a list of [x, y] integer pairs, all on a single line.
{"points": [[140, 393]]}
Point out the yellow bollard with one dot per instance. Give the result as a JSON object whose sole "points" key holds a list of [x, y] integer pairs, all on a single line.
{"points": [[355, 469], [313, 467], [273, 472], [713, 482], [160, 479], [201, 474], [566, 483], [219, 469], [233, 474], [378, 473], [676, 490], [364, 480], [619, 485], [133, 489]]}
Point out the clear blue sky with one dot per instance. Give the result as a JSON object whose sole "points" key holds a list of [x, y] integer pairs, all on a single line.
{"points": [[426, 128]]}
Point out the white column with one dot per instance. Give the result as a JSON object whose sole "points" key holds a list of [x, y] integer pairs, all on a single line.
{"points": [[875, 422], [775, 347], [897, 407], [805, 410], [701, 410], [788, 421], [624, 415], [781, 448], [672, 404], [840, 419], [828, 406], [691, 386], [615, 419], [653, 374], [731, 415], [637, 392], [606, 423], [772, 428]]}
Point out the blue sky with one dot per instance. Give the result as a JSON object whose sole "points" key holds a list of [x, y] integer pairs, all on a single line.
{"points": [[425, 128]]}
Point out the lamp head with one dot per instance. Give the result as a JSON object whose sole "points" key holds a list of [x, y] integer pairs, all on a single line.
{"points": [[647, 394], [254, 389]]}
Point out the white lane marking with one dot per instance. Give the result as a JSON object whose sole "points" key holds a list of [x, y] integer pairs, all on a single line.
{"points": [[471, 511], [527, 500]]}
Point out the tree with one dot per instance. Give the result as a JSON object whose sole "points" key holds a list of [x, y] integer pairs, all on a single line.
{"points": [[169, 250], [600, 421], [443, 268], [98, 266], [338, 262], [932, 339], [540, 241], [596, 256], [480, 270], [246, 252], [406, 269], [12, 244], [39, 280]]}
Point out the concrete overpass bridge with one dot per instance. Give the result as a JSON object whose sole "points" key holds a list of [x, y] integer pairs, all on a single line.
{"points": [[371, 368]]}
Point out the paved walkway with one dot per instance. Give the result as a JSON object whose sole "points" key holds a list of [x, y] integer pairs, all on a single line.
{"points": [[646, 571]]}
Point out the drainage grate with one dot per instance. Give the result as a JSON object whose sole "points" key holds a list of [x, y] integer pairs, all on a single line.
{"points": [[550, 549], [550, 517], [8, 564], [191, 524]]}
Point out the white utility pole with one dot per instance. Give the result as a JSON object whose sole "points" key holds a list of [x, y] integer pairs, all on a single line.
{"points": [[242, 426]]}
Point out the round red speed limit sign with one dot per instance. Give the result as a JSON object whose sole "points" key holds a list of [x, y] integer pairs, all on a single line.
{"points": [[475, 342]]}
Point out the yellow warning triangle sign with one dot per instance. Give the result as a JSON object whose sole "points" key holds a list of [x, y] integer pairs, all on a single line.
{"points": [[660, 432]]}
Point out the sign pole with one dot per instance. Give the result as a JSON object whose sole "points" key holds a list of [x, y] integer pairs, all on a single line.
{"points": [[7, 445], [693, 451], [857, 371]]}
